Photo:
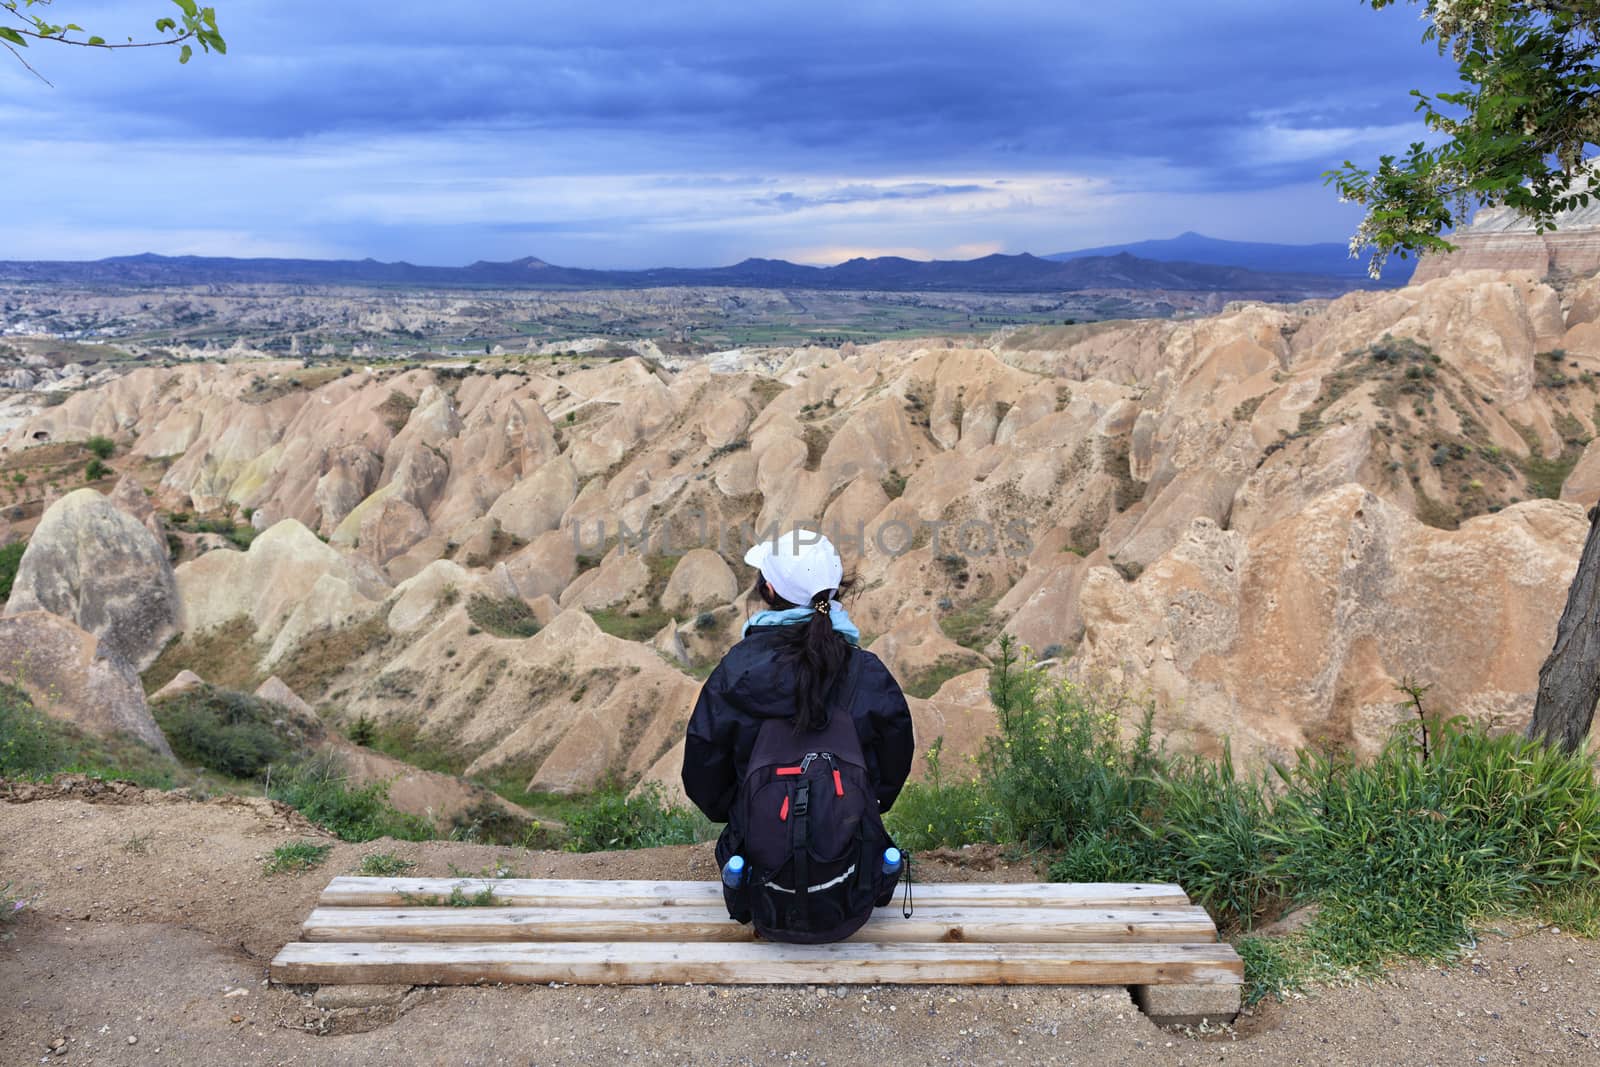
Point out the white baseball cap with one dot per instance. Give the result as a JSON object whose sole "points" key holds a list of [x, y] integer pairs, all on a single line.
{"points": [[799, 564]]}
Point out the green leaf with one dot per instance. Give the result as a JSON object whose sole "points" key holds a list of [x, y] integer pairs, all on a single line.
{"points": [[164, 25], [183, 57], [188, 6], [8, 34], [97, 40]]}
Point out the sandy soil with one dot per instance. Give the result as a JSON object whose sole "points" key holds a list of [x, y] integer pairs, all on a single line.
{"points": [[154, 925]]}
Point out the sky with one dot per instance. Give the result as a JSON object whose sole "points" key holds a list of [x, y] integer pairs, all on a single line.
{"points": [[676, 133]]}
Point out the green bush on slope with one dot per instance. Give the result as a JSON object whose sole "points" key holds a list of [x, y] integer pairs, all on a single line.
{"points": [[1447, 826]]}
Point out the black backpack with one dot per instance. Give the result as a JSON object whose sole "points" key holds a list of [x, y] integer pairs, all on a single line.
{"points": [[806, 821]]}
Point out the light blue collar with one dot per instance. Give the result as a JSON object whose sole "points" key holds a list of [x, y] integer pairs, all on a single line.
{"points": [[836, 614]]}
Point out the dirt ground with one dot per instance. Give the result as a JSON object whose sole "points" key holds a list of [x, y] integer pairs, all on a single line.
{"points": [[153, 925]]}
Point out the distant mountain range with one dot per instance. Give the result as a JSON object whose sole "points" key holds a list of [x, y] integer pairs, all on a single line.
{"points": [[1326, 259], [1066, 271]]}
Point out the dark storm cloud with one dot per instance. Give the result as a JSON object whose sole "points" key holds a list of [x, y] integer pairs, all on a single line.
{"points": [[866, 84], [642, 134]]}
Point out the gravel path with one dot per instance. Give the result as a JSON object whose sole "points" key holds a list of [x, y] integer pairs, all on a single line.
{"points": [[154, 923]]}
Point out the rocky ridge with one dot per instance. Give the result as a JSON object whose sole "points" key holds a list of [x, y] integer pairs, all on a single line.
{"points": [[1256, 520], [1499, 238]]}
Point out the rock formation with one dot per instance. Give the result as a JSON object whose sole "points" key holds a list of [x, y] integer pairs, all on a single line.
{"points": [[93, 563], [700, 580], [1301, 634], [1500, 238], [289, 584], [1258, 519], [73, 675]]}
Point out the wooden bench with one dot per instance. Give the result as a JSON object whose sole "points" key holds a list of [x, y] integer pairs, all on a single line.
{"points": [[404, 931]]}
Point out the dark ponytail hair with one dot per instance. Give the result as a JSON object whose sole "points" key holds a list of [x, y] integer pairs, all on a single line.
{"points": [[815, 651]]}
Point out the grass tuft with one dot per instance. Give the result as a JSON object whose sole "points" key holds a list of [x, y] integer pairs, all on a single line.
{"points": [[630, 625], [383, 865], [458, 898], [296, 857], [1573, 909]]}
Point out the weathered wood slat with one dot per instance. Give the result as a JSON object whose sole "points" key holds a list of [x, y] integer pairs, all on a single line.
{"points": [[977, 925], [645, 963], [349, 891]]}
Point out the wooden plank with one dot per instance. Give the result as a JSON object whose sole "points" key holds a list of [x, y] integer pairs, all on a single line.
{"points": [[981, 925], [349, 891], [648, 963]]}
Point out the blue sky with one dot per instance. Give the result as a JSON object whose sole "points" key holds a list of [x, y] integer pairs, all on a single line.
{"points": [[698, 133]]}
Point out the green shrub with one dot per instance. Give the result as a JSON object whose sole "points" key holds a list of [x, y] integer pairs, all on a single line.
{"points": [[318, 789], [363, 732], [936, 813], [1405, 853], [26, 745], [1274, 966], [10, 560], [973, 626], [94, 470], [225, 731], [101, 447], [1062, 777], [1059, 768], [488, 823], [502, 616], [613, 820], [1400, 855], [34, 745], [296, 857], [1203, 828]]}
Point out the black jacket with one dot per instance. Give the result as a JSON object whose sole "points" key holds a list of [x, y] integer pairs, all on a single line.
{"points": [[749, 687]]}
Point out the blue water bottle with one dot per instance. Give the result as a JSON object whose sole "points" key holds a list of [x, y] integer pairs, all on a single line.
{"points": [[733, 872], [891, 861]]}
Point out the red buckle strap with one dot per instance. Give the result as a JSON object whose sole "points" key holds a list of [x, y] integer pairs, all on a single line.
{"points": [[783, 815]]}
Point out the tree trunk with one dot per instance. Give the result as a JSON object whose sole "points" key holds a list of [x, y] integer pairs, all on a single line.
{"points": [[1569, 681]]}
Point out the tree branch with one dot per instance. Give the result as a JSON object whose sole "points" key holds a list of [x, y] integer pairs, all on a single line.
{"points": [[10, 48], [63, 39]]}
